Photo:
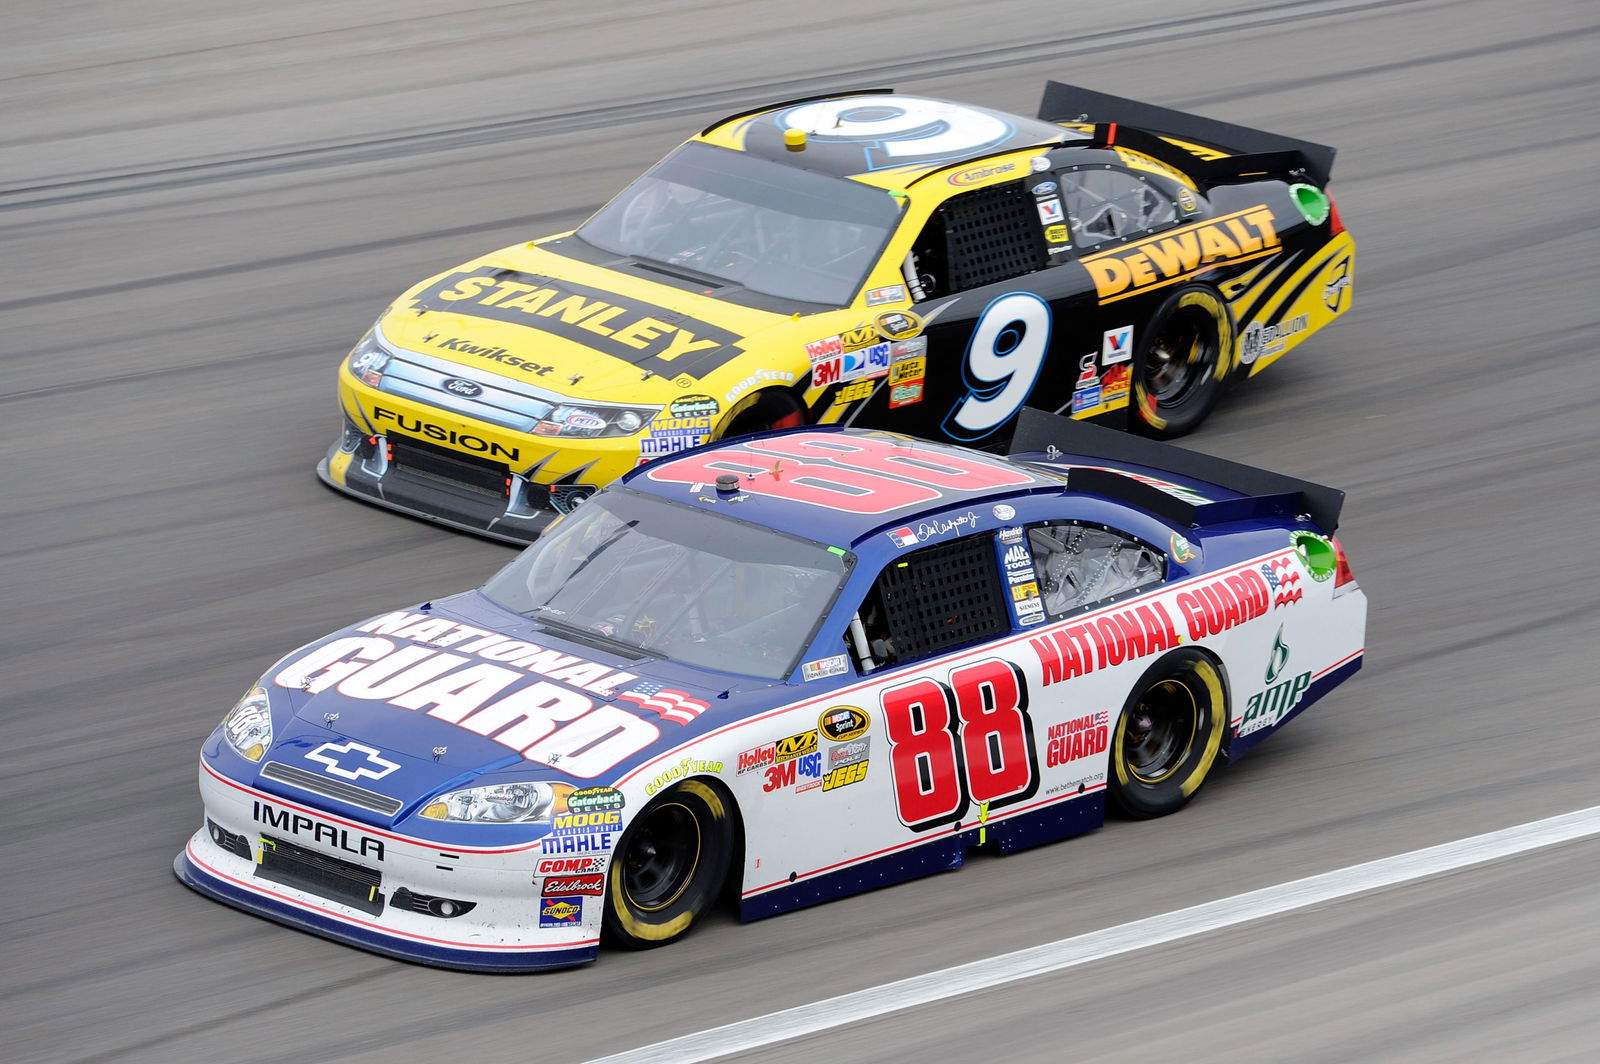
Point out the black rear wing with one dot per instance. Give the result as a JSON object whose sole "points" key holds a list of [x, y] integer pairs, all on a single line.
{"points": [[1251, 150], [1265, 494]]}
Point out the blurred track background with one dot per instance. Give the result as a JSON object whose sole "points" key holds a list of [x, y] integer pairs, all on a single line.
{"points": [[203, 205]]}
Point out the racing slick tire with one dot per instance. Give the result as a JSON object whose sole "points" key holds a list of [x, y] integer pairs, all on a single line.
{"points": [[770, 408], [1181, 362], [670, 866], [1169, 735]]}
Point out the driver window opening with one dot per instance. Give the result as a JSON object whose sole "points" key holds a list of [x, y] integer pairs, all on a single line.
{"points": [[977, 238], [933, 600]]}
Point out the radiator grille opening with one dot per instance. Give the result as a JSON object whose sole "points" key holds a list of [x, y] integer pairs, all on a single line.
{"points": [[431, 462], [315, 873]]}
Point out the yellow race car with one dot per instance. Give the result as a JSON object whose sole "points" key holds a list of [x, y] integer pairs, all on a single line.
{"points": [[866, 258]]}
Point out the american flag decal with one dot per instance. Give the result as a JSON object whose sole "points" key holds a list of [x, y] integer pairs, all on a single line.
{"points": [[1284, 578], [675, 706], [1103, 717]]}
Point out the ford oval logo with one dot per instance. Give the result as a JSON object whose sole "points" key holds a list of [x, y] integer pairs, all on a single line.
{"points": [[457, 386]]}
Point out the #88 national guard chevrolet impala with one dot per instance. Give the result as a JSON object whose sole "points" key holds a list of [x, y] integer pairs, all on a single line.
{"points": [[791, 666], [869, 259]]}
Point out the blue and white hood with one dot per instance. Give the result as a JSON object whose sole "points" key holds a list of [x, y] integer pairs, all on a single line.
{"points": [[390, 713]]}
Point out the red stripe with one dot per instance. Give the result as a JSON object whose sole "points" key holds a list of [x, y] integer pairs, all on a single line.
{"points": [[1342, 661], [254, 888]]}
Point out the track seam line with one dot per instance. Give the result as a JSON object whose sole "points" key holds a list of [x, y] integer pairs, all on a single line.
{"points": [[789, 1024]]}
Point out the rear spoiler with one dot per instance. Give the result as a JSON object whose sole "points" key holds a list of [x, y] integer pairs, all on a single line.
{"points": [[1252, 150], [1266, 494]]}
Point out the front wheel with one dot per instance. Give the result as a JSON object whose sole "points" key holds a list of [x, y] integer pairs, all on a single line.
{"points": [[774, 408], [669, 867], [1168, 736], [1181, 362]]}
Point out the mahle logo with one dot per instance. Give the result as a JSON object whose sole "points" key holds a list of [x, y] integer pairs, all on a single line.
{"points": [[1281, 696]]}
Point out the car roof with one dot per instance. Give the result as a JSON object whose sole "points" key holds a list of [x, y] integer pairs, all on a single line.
{"points": [[950, 133], [837, 485]]}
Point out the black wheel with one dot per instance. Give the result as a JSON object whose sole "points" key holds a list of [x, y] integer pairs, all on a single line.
{"points": [[774, 408], [1181, 362], [669, 867], [1169, 735]]}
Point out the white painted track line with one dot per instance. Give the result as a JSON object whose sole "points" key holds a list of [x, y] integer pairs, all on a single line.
{"points": [[1097, 945]]}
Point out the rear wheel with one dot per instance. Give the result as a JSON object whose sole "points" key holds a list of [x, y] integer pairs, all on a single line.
{"points": [[669, 867], [1181, 363], [774, 408], [1169, 735]]}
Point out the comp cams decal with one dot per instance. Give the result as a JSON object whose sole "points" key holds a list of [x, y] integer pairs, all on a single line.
{"points": [[650, 337]]}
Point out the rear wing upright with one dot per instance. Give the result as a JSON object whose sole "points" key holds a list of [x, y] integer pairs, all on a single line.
{"points": [[1263, 493], [1251, 150]]}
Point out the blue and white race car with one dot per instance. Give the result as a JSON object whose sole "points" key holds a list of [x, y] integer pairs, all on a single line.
{"points": [[802, 665]]}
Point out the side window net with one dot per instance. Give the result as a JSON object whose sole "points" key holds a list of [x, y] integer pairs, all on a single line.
{"points": [[935, 599], [979, 238], [1080, 566]]}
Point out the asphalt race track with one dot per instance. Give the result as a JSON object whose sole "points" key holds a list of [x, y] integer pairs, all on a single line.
{"points": [[203, 205]]}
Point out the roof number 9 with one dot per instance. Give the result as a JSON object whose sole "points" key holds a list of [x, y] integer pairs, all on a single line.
{"points": [[898, 129], [1004, 358]]}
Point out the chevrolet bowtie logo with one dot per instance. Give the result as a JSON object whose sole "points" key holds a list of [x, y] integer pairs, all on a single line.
{"points": [[352, 760]]}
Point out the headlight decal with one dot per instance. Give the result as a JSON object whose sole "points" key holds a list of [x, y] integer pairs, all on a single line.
{"points": [[501, 803], [248, 725]]}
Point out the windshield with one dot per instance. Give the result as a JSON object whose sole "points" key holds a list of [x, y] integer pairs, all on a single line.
{"points": [[676, 582], [774, 229]]}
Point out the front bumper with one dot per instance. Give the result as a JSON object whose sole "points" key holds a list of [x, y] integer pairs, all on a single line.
{"points": [[508, 519], [372, 888], [432, 463]]}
